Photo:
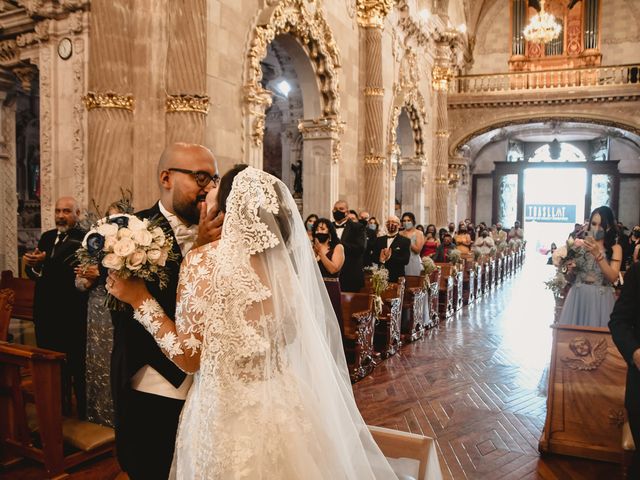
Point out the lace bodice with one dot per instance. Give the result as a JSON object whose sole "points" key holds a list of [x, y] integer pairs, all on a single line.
{"points": [[587, 270]]}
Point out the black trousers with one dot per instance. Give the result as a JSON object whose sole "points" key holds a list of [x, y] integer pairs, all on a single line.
{"points": [[146, 427]]}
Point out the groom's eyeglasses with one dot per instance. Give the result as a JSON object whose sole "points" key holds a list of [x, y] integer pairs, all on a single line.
{"points": [[201, 177]]}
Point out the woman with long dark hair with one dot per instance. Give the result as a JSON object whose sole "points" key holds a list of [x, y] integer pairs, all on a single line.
{"points": [[595, 269], [327, 247], [414, 267]]}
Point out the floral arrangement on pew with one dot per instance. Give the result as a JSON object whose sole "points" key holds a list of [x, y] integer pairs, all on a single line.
{"points": [[515, 244], [428, 267], [129, 246], [566, 259], [493, 251], [379, 283], [455, 256]]}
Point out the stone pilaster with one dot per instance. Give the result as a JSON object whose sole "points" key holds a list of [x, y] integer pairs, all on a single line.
{"points": [[8, 198]]}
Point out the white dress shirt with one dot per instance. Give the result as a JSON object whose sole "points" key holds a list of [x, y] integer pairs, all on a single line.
{"points": [[340, 231], [147, 379]]}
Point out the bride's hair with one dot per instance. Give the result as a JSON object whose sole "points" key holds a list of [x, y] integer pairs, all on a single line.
{"points": [[226, 182]]}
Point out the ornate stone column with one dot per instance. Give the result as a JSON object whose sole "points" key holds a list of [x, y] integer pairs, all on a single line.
{"points": [[371, 16], [257, 100], [456, 182], [321, 139], [187, 103], [8, 198], [441, 75], [413, 198]]}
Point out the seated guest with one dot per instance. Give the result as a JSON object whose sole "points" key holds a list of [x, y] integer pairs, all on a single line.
{"points": [[430, 242], [484, 243], [471, 230], [499, 235], [452, 228], [352, 237], [463, 239], [516, 233], [372, 233], [326, 245], [441, 233], [442, 252], [625, 328], [59, 309], [309, 223], [392, 251]]}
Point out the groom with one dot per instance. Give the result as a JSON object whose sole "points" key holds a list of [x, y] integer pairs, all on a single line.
{"points": [[148, 389]]}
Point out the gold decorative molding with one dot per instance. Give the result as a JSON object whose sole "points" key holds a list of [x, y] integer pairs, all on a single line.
{"points": [[321, 127], [374, 160], [187, 103], [586, 357], [371, 13], [373, 91], [440, 77], [442, 133], [93, 100]]}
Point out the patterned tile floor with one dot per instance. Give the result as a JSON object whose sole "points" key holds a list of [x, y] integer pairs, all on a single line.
{"points": [[473, 385]]}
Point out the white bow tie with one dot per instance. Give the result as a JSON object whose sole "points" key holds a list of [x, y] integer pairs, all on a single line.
{"points": [[186, 234]]}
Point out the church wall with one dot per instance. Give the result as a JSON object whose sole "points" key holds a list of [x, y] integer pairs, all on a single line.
{"points": [[620, 32], [493, 47], [627, 153], [493, 152]]}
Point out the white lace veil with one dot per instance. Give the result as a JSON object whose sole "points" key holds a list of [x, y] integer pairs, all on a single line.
{"points": [[275, 350]]}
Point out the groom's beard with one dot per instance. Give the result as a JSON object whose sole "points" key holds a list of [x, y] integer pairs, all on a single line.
{"points": [[188, 209]]}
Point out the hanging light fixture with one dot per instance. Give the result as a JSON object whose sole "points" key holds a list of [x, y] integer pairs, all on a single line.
{"points": [[542, 28]]}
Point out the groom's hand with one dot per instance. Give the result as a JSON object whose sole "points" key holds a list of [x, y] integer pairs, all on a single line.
{"points": [[210, 226]]}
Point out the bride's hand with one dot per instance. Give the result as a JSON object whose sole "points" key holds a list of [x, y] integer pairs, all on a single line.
{"points": [[128, 290]]}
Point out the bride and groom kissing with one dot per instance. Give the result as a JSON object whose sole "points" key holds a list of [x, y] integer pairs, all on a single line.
{"points": [[235, 369]]}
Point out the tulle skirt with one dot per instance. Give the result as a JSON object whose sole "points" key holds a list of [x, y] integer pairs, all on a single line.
{"points": [[588, 305], [414, 267]]}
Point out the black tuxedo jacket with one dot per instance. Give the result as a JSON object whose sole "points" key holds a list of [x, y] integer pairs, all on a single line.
{"points": [[133, 346], [400, 253], [625, 331], [59, 309], [352, 274]]}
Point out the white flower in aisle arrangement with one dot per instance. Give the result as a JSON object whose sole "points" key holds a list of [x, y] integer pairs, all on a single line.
{"points": [[129, 246], [428, 266], [379, 283], [454, 256]]}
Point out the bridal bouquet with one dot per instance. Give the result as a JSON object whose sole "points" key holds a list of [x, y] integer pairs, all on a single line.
{"points": [[129, 246], [566, 259]]}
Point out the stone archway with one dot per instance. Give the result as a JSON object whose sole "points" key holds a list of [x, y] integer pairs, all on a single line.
{"points": [[300, 27]]}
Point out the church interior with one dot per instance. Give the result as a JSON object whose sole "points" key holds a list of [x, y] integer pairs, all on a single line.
{"points": [[506, 120]]}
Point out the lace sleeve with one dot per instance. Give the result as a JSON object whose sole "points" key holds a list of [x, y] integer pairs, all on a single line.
{"points": [[181, 341]]}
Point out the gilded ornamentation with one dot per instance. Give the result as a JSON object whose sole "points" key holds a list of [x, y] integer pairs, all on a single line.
{"points": [[371, 13], [187, 103], [108, 100], [322, 127], [586, 357], [257, 132], [373, 91], [442, 133], [374, 160], [441, 76]]}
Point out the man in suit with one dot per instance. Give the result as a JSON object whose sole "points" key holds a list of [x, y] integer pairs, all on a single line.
{"points": [[442, 252], [59, 309], [392, 251], [352, 237], [625, 331], [148, 389]]}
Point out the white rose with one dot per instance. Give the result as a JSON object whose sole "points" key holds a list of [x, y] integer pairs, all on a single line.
{"points": [[136, 260], [124, 247], [107, 230], [154, 255], [162, 261], [158, 236], [135, 224], [125, 233], [143, 237], [109, 243], [112, 261]]}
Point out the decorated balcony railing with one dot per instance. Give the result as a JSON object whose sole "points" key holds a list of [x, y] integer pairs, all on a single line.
{"points": [[609, 76]]}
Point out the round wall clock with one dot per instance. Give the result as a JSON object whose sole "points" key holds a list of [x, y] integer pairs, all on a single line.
{"points": [[65, 48]]}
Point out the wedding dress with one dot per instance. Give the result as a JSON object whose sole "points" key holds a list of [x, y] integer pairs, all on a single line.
{"points": [[272, 397]]}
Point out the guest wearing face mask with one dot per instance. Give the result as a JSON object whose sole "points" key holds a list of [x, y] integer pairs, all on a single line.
{"points": [[516, 233], [329, 252], [392, 251], [430, 242], [452, 228], [462, 239], [471, 230], [499, 235], [309, 223], [442, 253], [371, 233], [484, 243], [416, 237], [352, 237]]}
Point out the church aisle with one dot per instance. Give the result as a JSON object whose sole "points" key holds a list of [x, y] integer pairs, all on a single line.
{"points": [[473, 385]]}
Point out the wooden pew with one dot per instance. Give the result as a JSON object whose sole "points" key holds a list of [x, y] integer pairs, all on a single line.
{"points": [[24, 289], [585, 405], [434, 297], [479, 278], [490, 270], [15, 438], [7, 298], [469, 282], [415, 306], [359, 319], [445, 304], [387, 340]]}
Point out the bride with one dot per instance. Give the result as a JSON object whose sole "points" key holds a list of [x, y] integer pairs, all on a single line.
{"points": [[271, 397]]}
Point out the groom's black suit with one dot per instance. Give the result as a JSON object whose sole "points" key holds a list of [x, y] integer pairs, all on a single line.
{"points": [[146, 424]]}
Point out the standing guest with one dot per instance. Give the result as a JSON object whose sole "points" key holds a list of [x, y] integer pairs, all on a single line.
{"points": [[442, 253], [148, 389], [416, 237], [591, 297], [59, 309], [441, 233], [499, 235], [452, 228], [371, 233], [577, 230], [364, 216], [392, 251], [463, 239], [353, 215], [635, 238], [471, 230], [430, 242], [516, 233], [352, 236], [326, 245], [309, 223], [99, 338], [420, 228], [625, 332]]}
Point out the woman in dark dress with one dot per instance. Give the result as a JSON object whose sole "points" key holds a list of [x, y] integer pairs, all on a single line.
{"points": [[328, 249]]}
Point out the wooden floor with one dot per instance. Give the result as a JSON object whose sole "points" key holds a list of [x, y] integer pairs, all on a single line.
{"points": [[472, 385]]}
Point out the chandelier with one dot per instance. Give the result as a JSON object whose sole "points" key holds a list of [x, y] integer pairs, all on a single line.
{"points": [[542, 28]]}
